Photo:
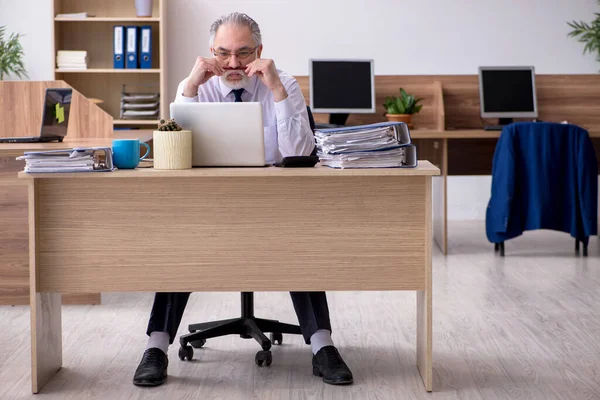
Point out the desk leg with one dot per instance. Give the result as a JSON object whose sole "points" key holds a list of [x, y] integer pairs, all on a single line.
{"points": [[44, 308], [46, 338], [424, 331], [440, 202]]}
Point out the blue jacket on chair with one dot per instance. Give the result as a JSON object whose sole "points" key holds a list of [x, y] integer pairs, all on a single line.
{"points": [[544, 176]]}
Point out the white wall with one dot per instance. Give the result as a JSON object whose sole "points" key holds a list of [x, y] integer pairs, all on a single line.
{"points": [[403, 37], [32, 18]]}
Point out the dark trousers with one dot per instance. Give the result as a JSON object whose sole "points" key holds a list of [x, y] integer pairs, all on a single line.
{"points": [[311, 309]]}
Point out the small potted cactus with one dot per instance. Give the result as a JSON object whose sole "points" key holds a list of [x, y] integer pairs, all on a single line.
{"points": [[172, 146]]}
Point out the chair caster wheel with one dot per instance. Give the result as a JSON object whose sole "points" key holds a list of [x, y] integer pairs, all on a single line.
{"points": [[276, 338], [186, 352], [198, 343], [263, 357]]}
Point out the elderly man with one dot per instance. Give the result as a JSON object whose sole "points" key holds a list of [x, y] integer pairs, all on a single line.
{"points": [[237, 73]]}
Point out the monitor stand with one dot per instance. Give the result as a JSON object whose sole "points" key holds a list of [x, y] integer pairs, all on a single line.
{"points": [[335, 121], [502, 122]]}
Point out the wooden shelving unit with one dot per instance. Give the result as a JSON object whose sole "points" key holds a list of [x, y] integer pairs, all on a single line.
{"points": [[108, 71], [135, 122], [95, 35]]}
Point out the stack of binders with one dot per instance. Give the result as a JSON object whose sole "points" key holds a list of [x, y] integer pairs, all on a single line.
{"points": [[382, 145], [132, 47], [89, 159]]}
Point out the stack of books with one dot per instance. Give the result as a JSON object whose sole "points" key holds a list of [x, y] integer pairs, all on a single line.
{"points": [[68, 160], [72, 59], [140, 105], [382, 145], [80, 15]]}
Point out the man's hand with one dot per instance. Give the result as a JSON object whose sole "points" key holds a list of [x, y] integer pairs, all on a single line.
{"points": [[266, 71], [203, 70]]}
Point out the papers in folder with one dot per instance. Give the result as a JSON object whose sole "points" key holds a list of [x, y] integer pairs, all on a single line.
{"points": [[88, 159], [382, 145]]}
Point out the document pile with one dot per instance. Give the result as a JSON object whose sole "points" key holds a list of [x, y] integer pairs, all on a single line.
{"points": [[382, 145], [71, 59], [140, 105], [69, 160]]}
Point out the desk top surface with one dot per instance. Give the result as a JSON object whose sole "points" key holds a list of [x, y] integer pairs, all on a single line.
{"points": [[17, 149], [425, 168]]}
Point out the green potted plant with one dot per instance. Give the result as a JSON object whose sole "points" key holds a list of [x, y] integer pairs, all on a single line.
{"points": [[401, 108], [11, 55], [588, 33], [172, 146]]}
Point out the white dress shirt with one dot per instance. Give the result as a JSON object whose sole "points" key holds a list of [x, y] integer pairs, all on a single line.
{"points": [[287, 130]]}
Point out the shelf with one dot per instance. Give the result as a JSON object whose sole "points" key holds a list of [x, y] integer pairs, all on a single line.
{"points": [[109, 19], [108, 71], [135, 122]]}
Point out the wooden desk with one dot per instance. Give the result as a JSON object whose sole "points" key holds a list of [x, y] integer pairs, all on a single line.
{"points": [[434, 145], [14, 265], [219, 229]]}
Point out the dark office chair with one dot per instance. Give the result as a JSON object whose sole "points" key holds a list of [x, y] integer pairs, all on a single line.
{"points": [[544, 176], [247, 326], [311, 121]]}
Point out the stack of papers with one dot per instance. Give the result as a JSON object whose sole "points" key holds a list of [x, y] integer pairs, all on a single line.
{"points": [[383, 145], [68, 160], [72, 59]]}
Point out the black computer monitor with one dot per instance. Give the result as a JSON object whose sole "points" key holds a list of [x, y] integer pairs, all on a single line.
{"points": [[506, 93], [340, 87]]}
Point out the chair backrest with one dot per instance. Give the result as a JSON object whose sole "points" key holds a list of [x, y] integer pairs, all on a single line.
{"points": [[311, 121], [544, 176]]}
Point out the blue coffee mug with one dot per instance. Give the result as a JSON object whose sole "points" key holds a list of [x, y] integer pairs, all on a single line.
{"points": [[126, 153]]}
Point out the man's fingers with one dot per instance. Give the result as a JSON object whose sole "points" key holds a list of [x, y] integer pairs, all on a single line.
{"points": [[214, 69], [217, 66], [250, 70]]}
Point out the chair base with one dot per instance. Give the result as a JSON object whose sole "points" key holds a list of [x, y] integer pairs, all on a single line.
{"points": [[247, 327], [499, 247]]}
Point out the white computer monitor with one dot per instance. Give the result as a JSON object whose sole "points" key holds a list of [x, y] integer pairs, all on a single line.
{"points": [[342, 86], [507, 92]]}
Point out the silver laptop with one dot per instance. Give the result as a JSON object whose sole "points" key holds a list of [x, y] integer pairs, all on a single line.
{"points": [[223, 134]]}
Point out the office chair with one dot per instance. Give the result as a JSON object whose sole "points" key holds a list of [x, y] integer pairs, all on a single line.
{"points": [[544, 176], [247, 326]]}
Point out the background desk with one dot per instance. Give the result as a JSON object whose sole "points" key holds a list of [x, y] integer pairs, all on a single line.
{"points": [[14, 255], [449, 130], [226, 229]]}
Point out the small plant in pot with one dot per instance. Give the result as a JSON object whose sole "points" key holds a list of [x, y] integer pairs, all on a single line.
{"points": [[172, 146], [401, 108]]}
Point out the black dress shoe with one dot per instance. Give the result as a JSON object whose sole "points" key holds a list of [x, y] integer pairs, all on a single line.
{"points": [[152, 370], [329, 364]]}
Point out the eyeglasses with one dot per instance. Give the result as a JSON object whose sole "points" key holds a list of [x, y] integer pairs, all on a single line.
{"points": [[242, 55]]}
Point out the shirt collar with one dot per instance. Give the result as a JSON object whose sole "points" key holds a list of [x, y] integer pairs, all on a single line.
{"points": [[250, 86]]}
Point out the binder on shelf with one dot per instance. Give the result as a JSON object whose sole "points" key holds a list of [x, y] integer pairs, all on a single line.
{"points": [[146, 47], [132, 47], [119, 47]]}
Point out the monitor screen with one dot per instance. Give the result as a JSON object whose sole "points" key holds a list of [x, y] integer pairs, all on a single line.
{"points": [[507, 92], [342, 86]]}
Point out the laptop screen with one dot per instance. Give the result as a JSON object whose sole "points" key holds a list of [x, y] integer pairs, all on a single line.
{"points": [[57, 107]]}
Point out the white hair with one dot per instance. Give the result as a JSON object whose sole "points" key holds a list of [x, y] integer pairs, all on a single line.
{"points": [[238, 19]]}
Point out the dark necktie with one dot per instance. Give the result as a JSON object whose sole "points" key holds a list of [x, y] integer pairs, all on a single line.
{"points": [[238, 94]]}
